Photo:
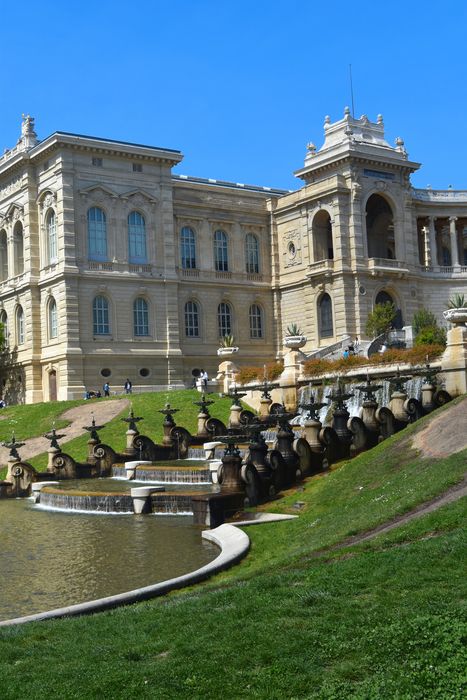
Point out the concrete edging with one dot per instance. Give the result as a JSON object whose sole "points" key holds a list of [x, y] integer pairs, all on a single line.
{"points": [[234, 544]]}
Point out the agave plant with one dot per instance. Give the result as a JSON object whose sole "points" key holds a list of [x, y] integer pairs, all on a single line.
{"points": [[227, 341], [457, 302], [294, 329]]}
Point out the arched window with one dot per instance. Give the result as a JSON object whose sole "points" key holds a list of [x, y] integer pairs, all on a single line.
{"points": [[52, 248], [137, 252], [52, 319], [322, 236], [3, 256], [252, 253], [188, 248], [97, 234], [4, 330], [224, 319], [18, 249], [326, 328], [100, 316], [191, 319], [140, 317], [221, 260], [20, 330], [256, 321], [380, 228]]}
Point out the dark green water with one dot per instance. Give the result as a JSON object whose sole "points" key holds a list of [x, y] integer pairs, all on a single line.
{"points": [[52, 559]]}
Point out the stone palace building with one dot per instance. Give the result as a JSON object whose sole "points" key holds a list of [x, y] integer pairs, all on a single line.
{"points": [[111, 266]]}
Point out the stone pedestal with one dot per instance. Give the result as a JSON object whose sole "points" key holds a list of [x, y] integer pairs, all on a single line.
{"points": [[428, 391], [264, 407], [234, 418], [288, 381], [311, 430], [226, 374], [368, 416], [130, 436], [454, 361], [396, 405], [52, 452], [231, 473]]}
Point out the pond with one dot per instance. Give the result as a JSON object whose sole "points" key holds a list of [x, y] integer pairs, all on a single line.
{"points": [[52, 559]]}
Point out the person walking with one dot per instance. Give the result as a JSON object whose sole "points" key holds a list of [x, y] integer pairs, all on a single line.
{"points": [[128, 386], [106, 389], [204, 379]]}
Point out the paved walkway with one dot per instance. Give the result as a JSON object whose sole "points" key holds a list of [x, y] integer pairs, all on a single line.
{"points": [[78, 416]]}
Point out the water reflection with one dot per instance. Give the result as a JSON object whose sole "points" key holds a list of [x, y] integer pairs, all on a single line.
{"points": [[52, 559]]}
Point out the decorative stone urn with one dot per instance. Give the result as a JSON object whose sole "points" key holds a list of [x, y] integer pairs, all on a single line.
{"points": [[458, 317], [295, 342], [225, 352]]}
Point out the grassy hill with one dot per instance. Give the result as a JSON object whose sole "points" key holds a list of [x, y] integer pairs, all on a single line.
{"points": [[298, 618]]}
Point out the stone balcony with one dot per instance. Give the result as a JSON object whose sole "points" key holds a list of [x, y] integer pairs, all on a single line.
{"points": [[320, 267], [384, 266]]}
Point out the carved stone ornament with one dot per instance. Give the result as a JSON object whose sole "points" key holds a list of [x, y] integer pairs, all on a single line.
{"points": [[49, 200]]}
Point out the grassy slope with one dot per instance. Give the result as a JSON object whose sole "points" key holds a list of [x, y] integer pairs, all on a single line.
{"points": [[30, 421], [379, 620]]}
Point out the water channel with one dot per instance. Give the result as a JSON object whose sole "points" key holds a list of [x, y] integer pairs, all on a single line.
{"points": [[53, 559]]}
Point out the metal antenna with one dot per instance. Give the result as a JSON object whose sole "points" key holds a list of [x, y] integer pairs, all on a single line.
{"points": [[351, 90]]}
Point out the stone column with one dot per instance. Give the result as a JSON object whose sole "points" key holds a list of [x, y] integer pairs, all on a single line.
{"points": [[453, 237], [426, 246], [433, 246]]}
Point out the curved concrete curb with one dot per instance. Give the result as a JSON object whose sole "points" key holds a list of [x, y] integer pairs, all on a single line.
{"points": [[234, 545]]}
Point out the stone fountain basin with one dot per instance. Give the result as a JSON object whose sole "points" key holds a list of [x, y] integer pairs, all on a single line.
{"points": [[116, 496]]}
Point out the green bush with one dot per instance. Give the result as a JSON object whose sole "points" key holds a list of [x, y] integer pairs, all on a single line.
{"points": [[423, 319], [431, 335], [380, 319]]}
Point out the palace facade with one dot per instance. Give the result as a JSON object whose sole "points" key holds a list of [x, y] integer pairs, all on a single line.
{"points": [[113, 267]]}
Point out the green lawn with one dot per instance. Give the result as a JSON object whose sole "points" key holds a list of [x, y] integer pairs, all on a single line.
{"points": [[32, 420], [383, 619]]}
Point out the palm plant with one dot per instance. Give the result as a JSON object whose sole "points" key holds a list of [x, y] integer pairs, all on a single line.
{"points": [[294, 329], [457, 302]]}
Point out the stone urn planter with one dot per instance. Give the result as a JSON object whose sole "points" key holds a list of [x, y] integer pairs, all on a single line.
{"points": [[225, 352], [458, 317], [295, 342]]}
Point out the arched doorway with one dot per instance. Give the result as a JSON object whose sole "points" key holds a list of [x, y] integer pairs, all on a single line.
{"points": [[322, 236], [380, 228], [52, 385], [384, 297]]}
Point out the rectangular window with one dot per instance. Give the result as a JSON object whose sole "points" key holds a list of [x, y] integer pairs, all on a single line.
{"points": [[137, 168], [97, 162]]}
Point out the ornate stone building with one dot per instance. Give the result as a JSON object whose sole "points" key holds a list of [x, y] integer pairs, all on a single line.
{"points": [[112, 267]]}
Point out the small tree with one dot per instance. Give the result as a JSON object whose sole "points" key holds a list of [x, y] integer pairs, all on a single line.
{"points": [[423, 319], [380, 320]]}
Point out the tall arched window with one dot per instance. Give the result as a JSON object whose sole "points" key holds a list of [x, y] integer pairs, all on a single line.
{"points": [[322, 236], [188, 248], [97, 234], [52, 319], [5, 331], [224, 319], [191, 319], [18, 248], [52, 247], [380, 228], [326, 328], [252, 253], [137, 251], [100, 316], [3, 256], [140, 317], [20, 330], [221, 260], [256, 321]]}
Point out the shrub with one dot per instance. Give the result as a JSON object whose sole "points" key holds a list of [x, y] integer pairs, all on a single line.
{"points": [[293, 329], [246, 375], [431, 335], [380, 319], [423, 319]]}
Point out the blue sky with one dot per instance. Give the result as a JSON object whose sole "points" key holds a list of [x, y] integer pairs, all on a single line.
{"points": [[240, 87]]}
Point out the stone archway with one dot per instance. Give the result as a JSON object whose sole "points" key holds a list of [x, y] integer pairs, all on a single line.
{"points": [[380, 228], [382, 298], [52, 385]]}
